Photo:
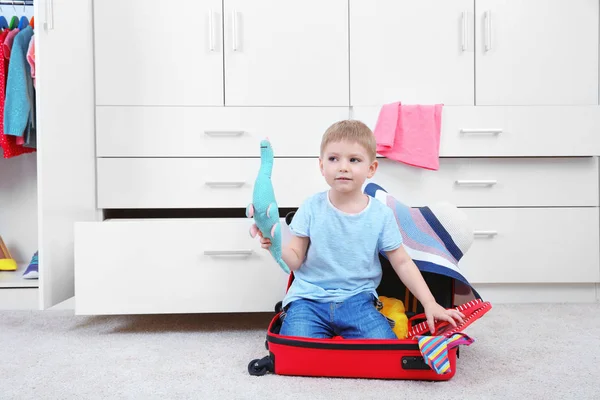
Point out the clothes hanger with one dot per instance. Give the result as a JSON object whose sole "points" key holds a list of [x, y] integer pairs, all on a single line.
{"points": [[3, 21], [14, 21], [23, 22]]}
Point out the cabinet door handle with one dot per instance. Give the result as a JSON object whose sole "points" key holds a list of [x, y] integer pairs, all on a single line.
{"points": [[481, 131], [211, 30], [224, 184], [488, 28], [477, 182], [464, 30], [485, 233], [228, 253], [49, 24], [224, 133], [234, 30]]}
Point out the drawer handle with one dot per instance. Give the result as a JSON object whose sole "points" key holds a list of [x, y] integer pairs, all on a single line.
{"points": [[485, 233], [225, 184], [228, 253], [224, 133], [481, 131], [480, 182]]}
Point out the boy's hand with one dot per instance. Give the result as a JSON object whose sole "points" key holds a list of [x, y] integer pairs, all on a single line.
{"points": [[264, 242], [435, 312]]}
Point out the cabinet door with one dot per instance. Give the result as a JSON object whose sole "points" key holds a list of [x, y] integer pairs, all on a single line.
{"points": [[152, 52], [65, 138], [286, 53], [411, 51], [537, 52]]}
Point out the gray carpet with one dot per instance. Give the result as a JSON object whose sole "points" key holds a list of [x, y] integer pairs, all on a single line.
{"points": [[521, 351]]}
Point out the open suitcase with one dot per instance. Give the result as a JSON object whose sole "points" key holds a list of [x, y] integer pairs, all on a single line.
{"points": [[371, 358]]}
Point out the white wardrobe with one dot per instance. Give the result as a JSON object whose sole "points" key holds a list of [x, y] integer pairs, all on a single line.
{"points": [[64, 161], [18, 206], [151, 113]]}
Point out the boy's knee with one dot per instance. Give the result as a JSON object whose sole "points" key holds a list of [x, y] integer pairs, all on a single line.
{"points": [[302, 318]]}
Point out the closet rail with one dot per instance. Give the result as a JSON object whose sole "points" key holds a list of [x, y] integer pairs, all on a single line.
{"points": [[17, 3]]}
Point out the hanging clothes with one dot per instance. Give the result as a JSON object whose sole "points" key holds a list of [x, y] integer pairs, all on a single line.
{"points": [[31, 57], [8, 42], [19, 107], [7, 142]]}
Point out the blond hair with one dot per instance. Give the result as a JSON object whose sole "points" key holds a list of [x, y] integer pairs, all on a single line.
{"points": [[351, 131]]}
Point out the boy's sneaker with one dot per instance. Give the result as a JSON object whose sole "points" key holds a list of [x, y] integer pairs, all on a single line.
{"points": [[32, 269]]}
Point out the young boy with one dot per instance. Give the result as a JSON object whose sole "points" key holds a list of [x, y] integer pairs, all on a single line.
{"points": [[335, 278]]}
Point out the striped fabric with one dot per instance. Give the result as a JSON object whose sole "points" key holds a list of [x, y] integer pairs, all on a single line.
{"points": [[457, 339], [436, 236], [435, 353], [435, 350]]}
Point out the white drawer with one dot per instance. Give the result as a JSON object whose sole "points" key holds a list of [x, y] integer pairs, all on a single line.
{"points": [[224, 183], [201, 182], [512, 131], [173, 266], [535, 245], [212, 131], [495, 182]]}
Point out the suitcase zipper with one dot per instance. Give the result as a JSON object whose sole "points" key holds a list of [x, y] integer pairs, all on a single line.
{"points": [[341, 345]]}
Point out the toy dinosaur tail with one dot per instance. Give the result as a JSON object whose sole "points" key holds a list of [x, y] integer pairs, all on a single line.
{"points": [[283, 266]]}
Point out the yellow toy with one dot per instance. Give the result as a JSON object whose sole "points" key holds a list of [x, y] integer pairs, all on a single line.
{"points": [[393, 309]]}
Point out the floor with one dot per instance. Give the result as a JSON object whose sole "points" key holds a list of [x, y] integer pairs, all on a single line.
{"points": [[534, 351]]}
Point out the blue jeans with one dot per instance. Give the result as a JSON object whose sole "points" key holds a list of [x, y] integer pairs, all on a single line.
{"points": [[353, 318]]}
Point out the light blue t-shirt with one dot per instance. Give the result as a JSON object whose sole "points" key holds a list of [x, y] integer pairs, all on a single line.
{"points": [[343, 254]]}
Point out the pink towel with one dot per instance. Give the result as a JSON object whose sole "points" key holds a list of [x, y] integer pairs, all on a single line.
{"points": [[410, 134]]}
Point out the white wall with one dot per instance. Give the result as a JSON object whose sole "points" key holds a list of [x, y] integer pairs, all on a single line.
{"points": [[18, 205], [18, 189]]}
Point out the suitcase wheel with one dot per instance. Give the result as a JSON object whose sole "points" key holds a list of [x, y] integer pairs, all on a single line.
{"points": [[260, 367]]}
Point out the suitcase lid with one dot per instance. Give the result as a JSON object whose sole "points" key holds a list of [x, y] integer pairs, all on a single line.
{"points": [[472, 310]]}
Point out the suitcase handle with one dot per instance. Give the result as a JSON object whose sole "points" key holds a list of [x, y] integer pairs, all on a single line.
{"points": [[414, 317], [424, 325]]}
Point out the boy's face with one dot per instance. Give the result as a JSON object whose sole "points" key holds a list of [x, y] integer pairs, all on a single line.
{"points": [[346, 165]]}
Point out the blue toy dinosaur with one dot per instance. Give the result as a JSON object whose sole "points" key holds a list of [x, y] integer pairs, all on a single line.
{"points": [[264, 208]]}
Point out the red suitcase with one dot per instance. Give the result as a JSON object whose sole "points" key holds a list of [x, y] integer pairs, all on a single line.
{"points": [[378, 358], [371, 358]]}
